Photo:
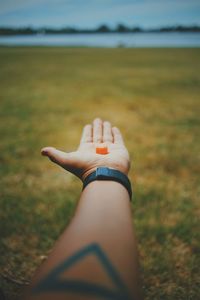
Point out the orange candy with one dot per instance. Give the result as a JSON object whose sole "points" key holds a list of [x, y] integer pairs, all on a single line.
{"points": [[102, 150]]}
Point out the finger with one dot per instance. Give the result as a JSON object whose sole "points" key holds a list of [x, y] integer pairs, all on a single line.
{"points": [[107, 132], [87, 134], [117, 136], [97, 130], [55, 155]]}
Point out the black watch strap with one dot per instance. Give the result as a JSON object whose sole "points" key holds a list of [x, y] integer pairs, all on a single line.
{"points": [[103, 173]]}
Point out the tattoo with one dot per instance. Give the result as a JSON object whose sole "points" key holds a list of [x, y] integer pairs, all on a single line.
{"points": [[53, 283]]}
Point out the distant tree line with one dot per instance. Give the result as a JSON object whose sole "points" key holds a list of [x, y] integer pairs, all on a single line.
{"points": [[120, 28]]}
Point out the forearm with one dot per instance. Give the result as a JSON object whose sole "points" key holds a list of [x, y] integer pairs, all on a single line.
{"points": [[102, 221], [107, 205]]}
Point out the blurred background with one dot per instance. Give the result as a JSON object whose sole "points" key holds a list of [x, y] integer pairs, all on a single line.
{"points": [[134, 63]]}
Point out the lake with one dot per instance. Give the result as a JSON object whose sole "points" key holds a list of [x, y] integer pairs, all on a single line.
{"points": [[109, 40]]}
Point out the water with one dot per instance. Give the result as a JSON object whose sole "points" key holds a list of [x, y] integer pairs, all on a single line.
{"points": [[169, 39]]}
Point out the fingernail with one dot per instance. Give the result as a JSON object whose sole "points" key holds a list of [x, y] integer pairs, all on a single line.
{"points": [[44, 152]]}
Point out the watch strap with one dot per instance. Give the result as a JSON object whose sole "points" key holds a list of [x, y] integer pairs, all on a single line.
{"points": [[104, 173]]}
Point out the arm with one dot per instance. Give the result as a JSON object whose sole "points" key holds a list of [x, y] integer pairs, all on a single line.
{"points": [[96, 256]]}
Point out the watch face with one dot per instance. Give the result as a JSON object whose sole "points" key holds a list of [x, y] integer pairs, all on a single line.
{"points": [[103, 172]]}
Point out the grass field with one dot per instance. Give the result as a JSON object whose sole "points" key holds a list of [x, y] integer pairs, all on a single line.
{"points": [[46, 96]]}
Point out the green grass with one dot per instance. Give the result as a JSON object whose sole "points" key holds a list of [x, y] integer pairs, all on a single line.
{"points": [[46, 96]]}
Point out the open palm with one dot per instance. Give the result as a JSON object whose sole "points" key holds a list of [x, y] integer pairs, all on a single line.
{"points": [[85, 160]]}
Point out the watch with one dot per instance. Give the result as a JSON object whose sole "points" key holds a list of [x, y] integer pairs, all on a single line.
{"points": [[104, 173]]}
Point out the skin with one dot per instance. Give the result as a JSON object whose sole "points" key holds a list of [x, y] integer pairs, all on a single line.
{"points": [[102, 222]]}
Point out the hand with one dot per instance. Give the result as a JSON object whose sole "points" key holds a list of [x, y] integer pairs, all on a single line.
{"points": [[85, 160]]}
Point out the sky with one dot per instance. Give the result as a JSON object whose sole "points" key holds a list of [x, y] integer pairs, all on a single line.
{"points": [[92, 13]]}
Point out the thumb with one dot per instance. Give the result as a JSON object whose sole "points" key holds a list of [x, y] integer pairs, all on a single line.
{"points": [[59, 157]]}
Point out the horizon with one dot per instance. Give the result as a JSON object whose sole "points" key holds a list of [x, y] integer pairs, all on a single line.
{"points": [[111, 28]]}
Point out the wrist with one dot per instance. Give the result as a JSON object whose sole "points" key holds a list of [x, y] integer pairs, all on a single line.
{"points": [[108, 174], [108, 189]]}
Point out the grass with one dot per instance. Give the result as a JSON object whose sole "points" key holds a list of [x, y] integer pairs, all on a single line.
{"points": [[47, 95]]}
